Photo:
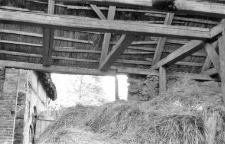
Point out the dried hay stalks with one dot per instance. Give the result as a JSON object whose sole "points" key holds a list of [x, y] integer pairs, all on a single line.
{"points": [[189, 113]]}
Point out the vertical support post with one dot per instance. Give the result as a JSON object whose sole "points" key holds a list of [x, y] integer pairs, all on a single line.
{"points": [[222, 63], [48, 38], [107, 36], [116, 89], [162, 40], [162, 80]]}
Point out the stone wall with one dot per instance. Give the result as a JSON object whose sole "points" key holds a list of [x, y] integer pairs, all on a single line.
{"points": [[8, 97], [143, 88]]}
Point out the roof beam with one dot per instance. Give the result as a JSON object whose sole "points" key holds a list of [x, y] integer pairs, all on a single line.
{"points": [[162, 40], [119, 48], [88, 24], [55, 69], [189, 6], [189, 48]]}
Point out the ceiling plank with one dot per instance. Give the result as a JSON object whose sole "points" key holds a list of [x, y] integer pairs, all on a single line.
{"points": [[186, 50], [117, 50], [162, 40], [107, 36], [88, 24], [188, 6]]}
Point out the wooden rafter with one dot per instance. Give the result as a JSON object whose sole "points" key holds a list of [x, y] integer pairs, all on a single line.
{"points": [[162, 80], [199, 7], [186, 50], [88, 24], [107, 36], [162, 40], [117, 50]]}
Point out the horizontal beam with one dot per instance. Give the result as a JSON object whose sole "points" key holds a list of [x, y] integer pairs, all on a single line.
{"points": [[186, 50], [200, 7], [84, 71], [55, 69], [88, 24], [156, 73]]}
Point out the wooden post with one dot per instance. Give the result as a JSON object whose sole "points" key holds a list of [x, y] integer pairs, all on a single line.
{"points": [[107, 36], [162, 40], [222, 63], [48, 38], [116, 89], [162, 80]]}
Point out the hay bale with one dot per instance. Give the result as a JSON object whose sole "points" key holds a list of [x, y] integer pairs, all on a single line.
{"points": [[189, 113]]}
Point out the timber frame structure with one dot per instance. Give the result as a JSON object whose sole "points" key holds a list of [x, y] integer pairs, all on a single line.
{"points": [[193, 40]]}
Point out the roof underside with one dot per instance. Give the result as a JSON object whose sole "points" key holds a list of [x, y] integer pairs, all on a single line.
{"points": [[139, 40]]}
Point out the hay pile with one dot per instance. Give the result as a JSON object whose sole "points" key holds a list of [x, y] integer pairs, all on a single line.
{"points": [[189, 113]]}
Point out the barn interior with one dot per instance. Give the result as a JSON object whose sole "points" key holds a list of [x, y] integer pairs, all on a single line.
{"points": [[148, 40]]}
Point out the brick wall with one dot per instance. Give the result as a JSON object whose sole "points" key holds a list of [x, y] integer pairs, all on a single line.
{"points": [[8, 97]]}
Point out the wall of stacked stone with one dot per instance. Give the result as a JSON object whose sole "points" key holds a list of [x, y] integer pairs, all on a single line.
{"points": [[8, 102], [145, 88]]}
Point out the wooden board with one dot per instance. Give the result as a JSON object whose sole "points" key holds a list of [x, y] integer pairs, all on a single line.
{"points": [[162, 80], [88, 24]]}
